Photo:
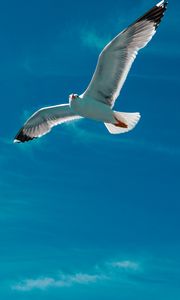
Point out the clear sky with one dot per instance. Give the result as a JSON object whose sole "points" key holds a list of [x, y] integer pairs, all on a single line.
{"points": [[84, 214]]}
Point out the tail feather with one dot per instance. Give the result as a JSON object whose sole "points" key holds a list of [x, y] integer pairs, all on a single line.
{"points": [[127, 121]]}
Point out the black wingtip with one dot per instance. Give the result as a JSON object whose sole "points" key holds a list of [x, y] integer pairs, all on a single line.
{"points": [[21, 137], [155, 14]]}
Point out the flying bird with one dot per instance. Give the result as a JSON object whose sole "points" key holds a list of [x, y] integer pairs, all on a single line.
{"points": [[97, 101]]}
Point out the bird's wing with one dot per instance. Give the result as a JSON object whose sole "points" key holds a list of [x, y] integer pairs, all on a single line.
{"points": [[117, 57], [43, 120]]}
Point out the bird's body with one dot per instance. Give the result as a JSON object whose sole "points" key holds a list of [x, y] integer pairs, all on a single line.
{"points": [[88, 107], [97, 101]]}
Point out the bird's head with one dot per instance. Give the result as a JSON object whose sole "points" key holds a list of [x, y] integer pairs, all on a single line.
{"points": [[73, 96]]}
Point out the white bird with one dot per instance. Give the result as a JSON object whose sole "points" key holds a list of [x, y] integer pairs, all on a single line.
{"points": [[97, 101]]}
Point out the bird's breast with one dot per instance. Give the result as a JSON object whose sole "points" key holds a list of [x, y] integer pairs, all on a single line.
{"points": [[92, 109]]}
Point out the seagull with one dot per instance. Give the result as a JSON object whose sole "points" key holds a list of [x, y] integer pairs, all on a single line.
{"points": [[97, 101]]}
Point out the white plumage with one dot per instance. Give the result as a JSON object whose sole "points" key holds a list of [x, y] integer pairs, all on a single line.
{"points": [[97, 101]]}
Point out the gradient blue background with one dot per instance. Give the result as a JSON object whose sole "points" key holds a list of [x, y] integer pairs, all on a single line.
{"points": [[83, 214]]}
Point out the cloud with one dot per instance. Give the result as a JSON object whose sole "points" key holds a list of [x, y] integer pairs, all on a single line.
{"points": [[90, 38], [64, 280], [93, 38], [85, 278], [107, 271], [126, 265], [30, 284], [120, 272], [87, 136]]}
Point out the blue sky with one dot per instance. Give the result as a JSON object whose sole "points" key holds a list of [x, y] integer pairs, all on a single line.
{"points": [[83, 214]]}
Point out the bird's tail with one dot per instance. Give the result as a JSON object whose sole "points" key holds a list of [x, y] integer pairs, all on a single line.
{"points": [[124, 122]]}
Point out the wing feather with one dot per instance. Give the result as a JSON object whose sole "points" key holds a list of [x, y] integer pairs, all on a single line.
{"points": [[43, 120], [118, 56]]}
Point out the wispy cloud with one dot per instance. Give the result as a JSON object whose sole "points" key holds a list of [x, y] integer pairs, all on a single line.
{"points": [[92, 39], [64, 280], [86, 135], [126, 265], [101, 273], [108, 271], [117, 271], [30, 284]]}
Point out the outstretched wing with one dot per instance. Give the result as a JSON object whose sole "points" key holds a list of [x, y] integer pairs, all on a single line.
{"points": [[43, 120], [117, 57]]}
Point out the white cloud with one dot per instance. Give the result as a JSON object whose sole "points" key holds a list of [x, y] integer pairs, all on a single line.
{"points": [[30, 284], [119, 271], [108, 271], [126, 265], [85, 278], [64, 280], [85, 135], [91, 39], [159, 46]]}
